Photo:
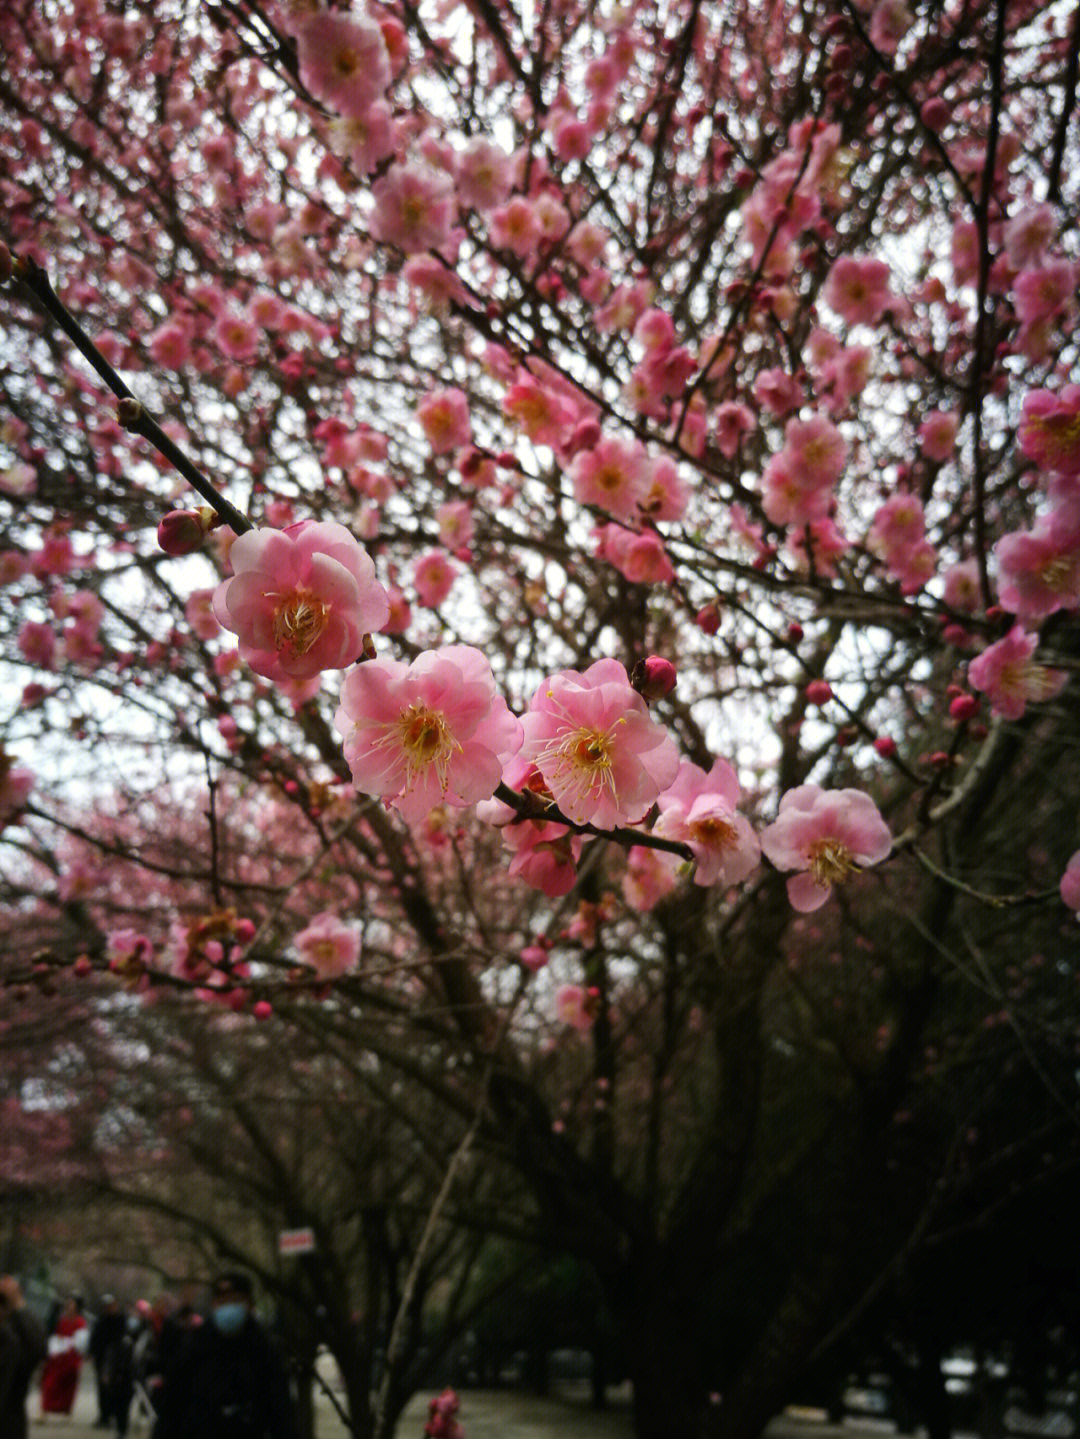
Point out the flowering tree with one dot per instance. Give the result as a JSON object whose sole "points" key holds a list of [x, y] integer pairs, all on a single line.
{"points": [[639, 461]]}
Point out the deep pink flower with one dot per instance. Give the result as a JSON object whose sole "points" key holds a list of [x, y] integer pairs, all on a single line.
{"points": [[1004, 671], [301, 599], [576, 1006], [825, 834], [343, 61], [330, 947], [603, 758], [1046, 292], [700, 809], [516, 227], [937, 435], [1028, 235], [1040, 568], [433, 732], [732, 421]]}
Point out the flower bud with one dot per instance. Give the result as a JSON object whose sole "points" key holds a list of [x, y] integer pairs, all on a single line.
{"points": [[653, 678], [819, 692], [181, 532]]}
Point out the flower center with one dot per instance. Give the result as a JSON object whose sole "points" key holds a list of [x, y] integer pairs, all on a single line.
{"points": [[830, 862], [346, 62], [1056, 574], [714, 832], [579, 763], [299, 620]]}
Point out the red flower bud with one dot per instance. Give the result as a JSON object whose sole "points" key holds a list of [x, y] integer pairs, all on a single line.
{"points": [[964, 707], [653, 678], [819, 692], [181, 532]]}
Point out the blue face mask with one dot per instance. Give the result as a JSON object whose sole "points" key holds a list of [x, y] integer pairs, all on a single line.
{"points": [[229, 1318]]}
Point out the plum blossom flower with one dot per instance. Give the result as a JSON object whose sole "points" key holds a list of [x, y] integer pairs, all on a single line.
{"points": [[1027, 235], [699, 808], [545, 852], [1070, 884], [484, 175], [1049, 430], [330, 947], [937, 435], [343, 60], [433, 732], [614, 476], [650, 876], [1040, 568], [576, 1006], [413, 207], [364, 138], [825, 834], [603, 758], [444, 418], [301, 599], [857, 289], [433, 576], [1005, 672]]}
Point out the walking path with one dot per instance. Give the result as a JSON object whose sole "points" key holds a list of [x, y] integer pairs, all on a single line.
{"points": [[484, 1415]]}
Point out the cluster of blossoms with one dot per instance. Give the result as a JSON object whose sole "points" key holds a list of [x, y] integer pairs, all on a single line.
{"points": [[436, 733]]}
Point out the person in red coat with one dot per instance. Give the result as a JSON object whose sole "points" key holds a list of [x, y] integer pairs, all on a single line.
{"points": [[60, 1372]]}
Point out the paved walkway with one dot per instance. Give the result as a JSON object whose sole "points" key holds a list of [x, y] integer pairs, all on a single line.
{"points": [[484, 1415]]}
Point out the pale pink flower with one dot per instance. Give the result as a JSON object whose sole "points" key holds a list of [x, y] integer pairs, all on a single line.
{"points": [[650, 876], [484, 175], [1039, 569], [857, 289], [576, 1006], [1070, 884], [433, 732], [364, 138], [614, 476], [700, 809], [732, 420], [1028, 235], [667, 495], [1045, 293], [236, 337], [1049, 430], [456, 524], [330, 947], [18, 479], [414, 207], [199, 612], [433, 578], [961, 587], [815, 451], [543, 416], [787, 499], [825, 835], [545, 855], [937, 435], [170, 345], [819, 543], [1005, 672], [777, 391], [641, 557], [433, 280], [301, 599], [343, 60], [444, 418], [890, 22], [590, 735], [516, 227]]}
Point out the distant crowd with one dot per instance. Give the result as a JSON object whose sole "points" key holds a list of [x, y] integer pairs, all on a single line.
{"points": [[186, 1374]]}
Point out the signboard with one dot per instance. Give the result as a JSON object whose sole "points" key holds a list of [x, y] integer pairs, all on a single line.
{"points": [[296, 1241]]}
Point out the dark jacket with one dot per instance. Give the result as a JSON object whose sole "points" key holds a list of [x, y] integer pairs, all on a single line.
{"points": [[22, 1347], [226, 1387]]}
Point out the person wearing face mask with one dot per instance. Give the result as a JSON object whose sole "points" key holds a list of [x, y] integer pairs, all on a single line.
{"points": [[229, 1381]]}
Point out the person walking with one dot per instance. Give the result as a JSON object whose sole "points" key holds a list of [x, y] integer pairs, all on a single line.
{"points": [[65, 1349], [22, 1347], [228, 1382], [112, 1345]]}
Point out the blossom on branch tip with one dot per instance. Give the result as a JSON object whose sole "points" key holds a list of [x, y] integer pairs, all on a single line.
{"points": [[1005, 672], [700, 809], [603, 758], [301, 599], [433, 732], [825, 834], [330, 947]]}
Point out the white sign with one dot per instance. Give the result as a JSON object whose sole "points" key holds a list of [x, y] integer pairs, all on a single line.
{"points": [[296, 1241]]}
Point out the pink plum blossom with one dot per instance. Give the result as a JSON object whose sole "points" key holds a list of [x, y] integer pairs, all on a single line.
{"points": [[343, 60], [484, 175], [364, 138], [650, 876], [576, 1006], [937, 435], [1005, 672], [857, 289], [590, 735], [433, 732], [516, 227], [1028, 235], [825, 834], [413, 207], [444, 418], [301, 599], [433, 576], [330, 947], [732, 420], [1045, 293], [1049, 430], [700, 809], [1070, 884], [1040, 568], [641, 557]]}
